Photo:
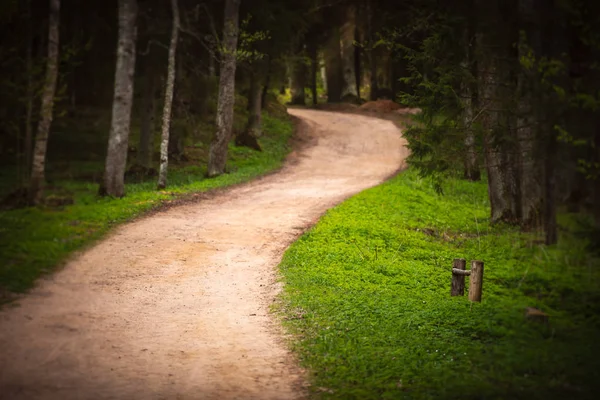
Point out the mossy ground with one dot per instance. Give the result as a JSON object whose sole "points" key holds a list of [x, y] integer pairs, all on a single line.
{"points": [[367, 297], [34, 240]]}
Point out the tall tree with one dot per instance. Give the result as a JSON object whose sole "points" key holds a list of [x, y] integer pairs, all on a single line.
{"points": [[218, 148], [113, 183], [46, 111], [166, 119], [348, 54]]}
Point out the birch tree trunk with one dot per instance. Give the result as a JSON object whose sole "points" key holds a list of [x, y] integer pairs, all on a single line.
{"points": [[348, 53], [168, 103], [37, 179], [113, 183], [218, 148]]}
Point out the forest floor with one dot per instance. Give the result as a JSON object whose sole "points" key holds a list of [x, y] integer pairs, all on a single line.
{"points": [[176, 305]]}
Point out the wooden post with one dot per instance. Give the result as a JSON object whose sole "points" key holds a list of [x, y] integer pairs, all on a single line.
{"points": [[458, 279], [476, 281]]}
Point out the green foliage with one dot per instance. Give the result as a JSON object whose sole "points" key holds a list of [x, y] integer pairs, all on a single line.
{"points": [[367, 296], [34, 240]]}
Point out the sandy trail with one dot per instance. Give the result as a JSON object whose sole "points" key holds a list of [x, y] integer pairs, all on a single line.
{"points": [[175, 305]]}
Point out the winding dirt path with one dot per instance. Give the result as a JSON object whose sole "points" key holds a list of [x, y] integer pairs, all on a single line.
{"points": [[175, 305]]}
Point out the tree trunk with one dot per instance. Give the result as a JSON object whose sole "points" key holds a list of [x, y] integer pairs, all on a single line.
{"points": [[218, 148], [383, 72], [267, 85], [348, 54], [116, 157], [528, 169], [333, 66], [168, 103], [146, 144], [30, 95], [299, 72], [36, 182], [469, 101], [371, 54], [249, 137], [314, 69]]}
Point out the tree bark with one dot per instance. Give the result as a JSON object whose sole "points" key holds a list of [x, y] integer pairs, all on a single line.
{"points": [[469, 100], [492, 82], [37, 179], [314, 69], [168, 103], [348, 55], [249, 137], [30, 95], [299, 72], [116, 157], [146, 144], [372, 58], [527, 165], [218, 148], [333, 66]]}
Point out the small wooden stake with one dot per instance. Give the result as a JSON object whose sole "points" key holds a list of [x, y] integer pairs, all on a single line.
{"points": [[458, 279], [476, 281]]}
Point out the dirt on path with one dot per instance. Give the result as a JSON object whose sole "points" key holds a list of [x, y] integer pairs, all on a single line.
{"points": [[176, 305]]}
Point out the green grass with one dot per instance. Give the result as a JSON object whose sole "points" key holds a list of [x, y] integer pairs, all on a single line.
{"points": [[33, 241], [367, 298]]}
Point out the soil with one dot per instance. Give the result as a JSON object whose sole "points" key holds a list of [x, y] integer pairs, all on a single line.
{"points": [[176, 305]]}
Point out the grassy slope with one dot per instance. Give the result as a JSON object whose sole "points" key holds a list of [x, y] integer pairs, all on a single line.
{"points": [[34, 240], [367, 293]]}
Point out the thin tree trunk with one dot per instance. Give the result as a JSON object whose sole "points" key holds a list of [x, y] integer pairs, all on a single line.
{"points": [[36, 182], [267, 85], [146, 144], [166, 118], [529, 189], [333, 66], [299, 72], [348, 53], [30, 94], [469, 99], [314, 70], [218, 148], [249, 137], [116, 157], [372, 59]]}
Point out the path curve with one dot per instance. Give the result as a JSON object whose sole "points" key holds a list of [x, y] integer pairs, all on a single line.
{"points": [[175, 305]]}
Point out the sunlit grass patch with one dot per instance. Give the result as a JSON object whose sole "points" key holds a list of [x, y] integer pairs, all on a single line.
{"points": [[368, 297]]}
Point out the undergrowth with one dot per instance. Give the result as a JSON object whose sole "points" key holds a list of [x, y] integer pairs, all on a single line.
{"points": [[34, 240], [367, 297]]}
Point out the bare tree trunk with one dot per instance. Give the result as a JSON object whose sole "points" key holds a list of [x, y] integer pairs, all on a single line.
{"points": [[529, 190], [469, 100], [116, 157], [348, 53], [333, 66], [166, 118], [298, 78], [146, 144], [36, 182], [314, 69], [266, 87], [30, 95], [249, 137], [218, 148], [372, 59]]}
